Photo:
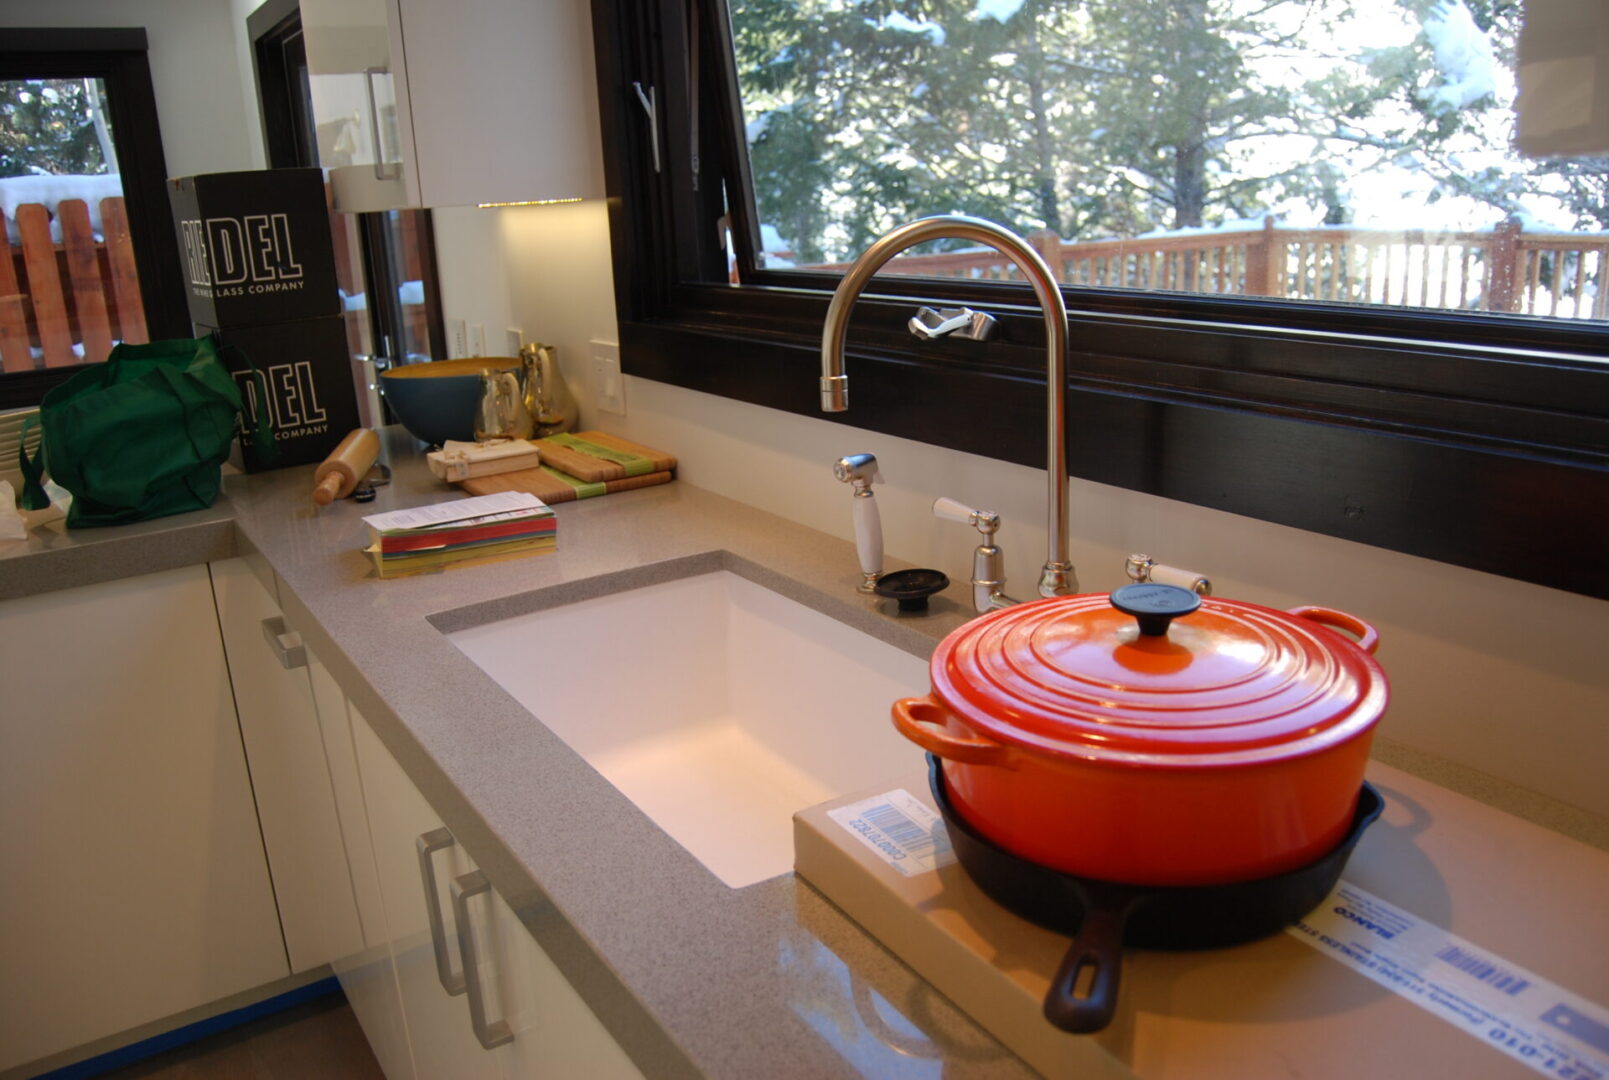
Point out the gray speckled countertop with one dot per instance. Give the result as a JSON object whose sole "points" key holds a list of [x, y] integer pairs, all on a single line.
{"points": [[692, 977]]}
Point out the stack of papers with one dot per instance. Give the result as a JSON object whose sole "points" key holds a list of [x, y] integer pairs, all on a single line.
{"points": [[481, 529]]}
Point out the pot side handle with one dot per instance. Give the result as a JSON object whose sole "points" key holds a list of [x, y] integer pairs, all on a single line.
{"points": [[919, 720], [1368, 637]]}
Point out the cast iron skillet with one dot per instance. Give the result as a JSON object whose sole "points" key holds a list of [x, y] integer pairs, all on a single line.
{"points": [[1104, 915]]}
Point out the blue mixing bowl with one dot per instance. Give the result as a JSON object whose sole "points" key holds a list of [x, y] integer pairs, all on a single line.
{"points": [[436, 401]]}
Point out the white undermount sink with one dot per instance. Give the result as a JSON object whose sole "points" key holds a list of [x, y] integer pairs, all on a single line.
{"points": [[716, 705]]}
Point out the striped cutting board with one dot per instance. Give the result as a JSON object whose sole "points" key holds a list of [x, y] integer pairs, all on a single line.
{"points": [[582, 466]]}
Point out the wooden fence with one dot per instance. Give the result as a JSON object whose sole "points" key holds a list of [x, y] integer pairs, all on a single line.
{"points": [[1505, 269], [81, 291]]}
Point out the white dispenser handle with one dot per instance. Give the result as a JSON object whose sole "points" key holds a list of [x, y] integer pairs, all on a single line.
{"points": [[868, 533]]}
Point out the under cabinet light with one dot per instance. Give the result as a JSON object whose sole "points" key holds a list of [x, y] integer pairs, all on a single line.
{"points": [[529, 202]]}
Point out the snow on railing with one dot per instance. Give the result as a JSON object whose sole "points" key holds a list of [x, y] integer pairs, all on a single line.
{"points": [[1502, 269]]}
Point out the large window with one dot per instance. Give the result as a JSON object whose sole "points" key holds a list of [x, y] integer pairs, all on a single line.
{"points": [[1344, 151], [1309, 282]]}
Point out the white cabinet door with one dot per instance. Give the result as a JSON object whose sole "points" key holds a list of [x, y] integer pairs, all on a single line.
{"points": [[356, 80], [135, 883], [502, 101], [555, 1033], [417, 860], [512, 997], [424, 103], [289, 773], [367, 975]]}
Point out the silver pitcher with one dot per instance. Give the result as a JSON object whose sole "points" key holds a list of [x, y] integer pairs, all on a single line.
{"points": [[501, 412], [547, 400]]}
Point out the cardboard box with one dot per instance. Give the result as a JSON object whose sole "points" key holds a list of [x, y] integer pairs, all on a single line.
{"points": [[312, 400], [256, 247], [1527, 897]]}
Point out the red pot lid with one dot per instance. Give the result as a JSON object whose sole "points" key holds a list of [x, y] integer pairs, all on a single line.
{"points": [[1230, 683]]}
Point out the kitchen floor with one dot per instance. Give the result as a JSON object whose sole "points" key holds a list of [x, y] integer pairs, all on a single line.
{"points": [[315, 1040]]}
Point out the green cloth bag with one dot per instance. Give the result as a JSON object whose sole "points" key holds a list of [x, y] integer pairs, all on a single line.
{"points": [[143, 435]]}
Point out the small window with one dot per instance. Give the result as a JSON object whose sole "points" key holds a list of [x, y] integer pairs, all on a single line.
{"points": [[72, 284], [89, 259]]}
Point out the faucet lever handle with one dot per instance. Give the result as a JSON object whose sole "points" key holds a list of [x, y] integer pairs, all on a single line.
{"points": [[986, 522], [963, 322], [988, 564], [947, 509], [1142, 568]]}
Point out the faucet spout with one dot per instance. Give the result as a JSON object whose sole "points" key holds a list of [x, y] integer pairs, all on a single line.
{"points": [[1057, 577]]}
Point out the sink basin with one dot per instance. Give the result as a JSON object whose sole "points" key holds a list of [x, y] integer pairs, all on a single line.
{"points": [[716, 705]]}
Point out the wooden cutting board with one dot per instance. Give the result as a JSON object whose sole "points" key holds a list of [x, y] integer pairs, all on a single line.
{"points": [[552, 486], [597, 457]]}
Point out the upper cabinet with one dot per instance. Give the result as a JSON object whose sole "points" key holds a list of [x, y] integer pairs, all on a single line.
{"points": [[420, 103]]}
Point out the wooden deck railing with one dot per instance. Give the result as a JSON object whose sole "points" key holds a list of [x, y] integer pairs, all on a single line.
{"points": [[81, 291], [1505, 269]]}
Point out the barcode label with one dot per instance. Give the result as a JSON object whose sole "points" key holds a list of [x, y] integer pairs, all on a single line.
{"points": [[900, 829], [1483, 969], [1514, 1011], [904, 832]]}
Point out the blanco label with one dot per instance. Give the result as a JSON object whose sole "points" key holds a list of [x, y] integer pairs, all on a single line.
{"points": [[1507, 1007], [899, 828]]}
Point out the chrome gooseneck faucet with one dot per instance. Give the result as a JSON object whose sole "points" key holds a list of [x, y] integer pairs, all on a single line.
{"points": [[1057, 577]]}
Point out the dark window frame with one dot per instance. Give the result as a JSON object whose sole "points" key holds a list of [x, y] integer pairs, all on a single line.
{"points": [[118, 56], [1480, 444]]}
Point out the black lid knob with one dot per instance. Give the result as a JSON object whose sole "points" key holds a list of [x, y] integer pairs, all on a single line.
{"points": [[1155, 606]]}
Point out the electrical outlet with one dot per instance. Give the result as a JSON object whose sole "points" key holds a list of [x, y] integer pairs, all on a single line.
{"points": [[457, 339], [477, 339], [516, 340], [609, 386]]}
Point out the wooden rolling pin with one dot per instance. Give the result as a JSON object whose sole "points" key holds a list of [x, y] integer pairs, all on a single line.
{"points": [[348, 463]]}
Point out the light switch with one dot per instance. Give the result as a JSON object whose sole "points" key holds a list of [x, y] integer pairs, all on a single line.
{"points": [[608, 385]]}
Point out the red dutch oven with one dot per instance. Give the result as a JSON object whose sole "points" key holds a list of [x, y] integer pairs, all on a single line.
{"points": [[1154, 737]]}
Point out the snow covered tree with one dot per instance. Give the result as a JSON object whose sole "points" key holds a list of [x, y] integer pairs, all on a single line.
{"points": [[1100, 118], [50, 126]]}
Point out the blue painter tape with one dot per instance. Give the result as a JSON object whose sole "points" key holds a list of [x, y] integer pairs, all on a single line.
{"points": [[189, 1033], [1584, 1028]]}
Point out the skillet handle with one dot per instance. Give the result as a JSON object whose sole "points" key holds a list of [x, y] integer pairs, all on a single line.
{"points": [[919, 720], [1368, 637], [1098, 946]]}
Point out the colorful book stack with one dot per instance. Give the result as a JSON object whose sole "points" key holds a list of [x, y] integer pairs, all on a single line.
{"points": [[481, 529]]}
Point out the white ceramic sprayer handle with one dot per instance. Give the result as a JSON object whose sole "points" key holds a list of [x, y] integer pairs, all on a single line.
{"points": [[868, 533]]}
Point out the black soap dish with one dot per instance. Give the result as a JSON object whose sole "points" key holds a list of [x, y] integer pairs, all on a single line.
{"points": [[911, 587]]}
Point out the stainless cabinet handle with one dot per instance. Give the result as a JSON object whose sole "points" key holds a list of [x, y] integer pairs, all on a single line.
{"points": [[430, 842], [382, 171], [490, 1034], [287, 644]]}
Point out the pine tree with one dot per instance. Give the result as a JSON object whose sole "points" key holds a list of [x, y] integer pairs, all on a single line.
{"points": [[48, 126]]}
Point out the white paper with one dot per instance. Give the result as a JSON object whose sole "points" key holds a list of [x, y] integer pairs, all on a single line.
{"points": [[420, 517], [1515, 1011]]}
